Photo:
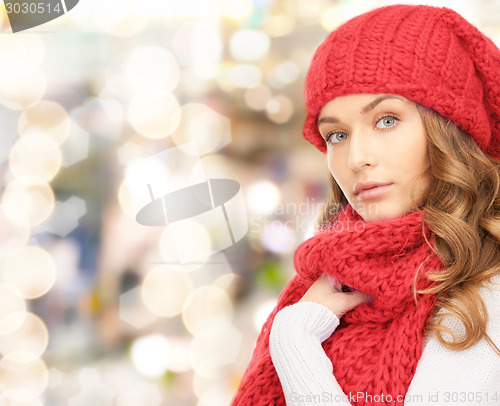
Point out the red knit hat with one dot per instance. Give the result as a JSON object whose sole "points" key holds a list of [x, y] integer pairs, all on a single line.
{"points": [[430, 55]]}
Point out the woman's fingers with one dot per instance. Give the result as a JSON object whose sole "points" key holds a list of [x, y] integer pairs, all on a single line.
{"points": [[332, 281], [327, 291], [354, 299]]}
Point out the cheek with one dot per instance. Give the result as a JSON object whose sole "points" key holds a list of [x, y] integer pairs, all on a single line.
{"points": [[412, 154], [333, 162], [337, 166], [419, 156]]}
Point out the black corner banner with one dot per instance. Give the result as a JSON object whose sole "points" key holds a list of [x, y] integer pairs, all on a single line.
{"points": [[24, 14]]}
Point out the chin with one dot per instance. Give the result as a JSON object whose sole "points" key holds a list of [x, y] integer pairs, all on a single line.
{"points": [[379, 211]]}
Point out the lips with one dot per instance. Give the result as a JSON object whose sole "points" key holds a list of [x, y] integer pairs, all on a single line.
{"points": [[371, 189], [361, 186]]}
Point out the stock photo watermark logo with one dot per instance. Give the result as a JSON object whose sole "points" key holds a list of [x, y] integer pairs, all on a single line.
{"points": [[201, 216], [25, 14]]}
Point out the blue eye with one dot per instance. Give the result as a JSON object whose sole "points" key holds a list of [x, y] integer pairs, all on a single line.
{"points": [[334, 138], [387, 122]]}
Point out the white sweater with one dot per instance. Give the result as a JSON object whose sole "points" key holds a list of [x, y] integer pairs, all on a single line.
{"points": [[442, 377]]}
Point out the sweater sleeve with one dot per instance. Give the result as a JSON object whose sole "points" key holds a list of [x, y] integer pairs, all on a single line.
{"points": [[304, 370]]}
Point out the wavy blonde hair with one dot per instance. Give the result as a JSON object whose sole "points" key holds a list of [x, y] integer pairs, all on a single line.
{"points": [[463, 211]]}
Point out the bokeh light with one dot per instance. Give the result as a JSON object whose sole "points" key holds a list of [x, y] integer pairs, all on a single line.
{"points": [[210, 353], [223, 78], [48, 118], [285, 73], [279, 109], [19, 54], [24, 378], [10, 302], [206, 308], [87, 112], [278, 237], [93, 390], [31, 335], [151, 355], [5, 401], [128, 152], [133, 193], [258, 97], [185, 241], [245, 75], [143, 393], [307, 11], [119, 18], [227, 282], [151, 67], [164, 290], [280, 25], [201, 125], [23, 91], [127, 22], [12, 321], [77, 146], [27, 205], [181, 10], [212, 166], [154, 113], [237, 9], [143, 170], [262, 196], [179, 359], [31, 271], [212, 391], [199, 45], [12, 235], [35, 158], [23, 82], [12, 56], [249, 45], [126, 198], [334, 16]]}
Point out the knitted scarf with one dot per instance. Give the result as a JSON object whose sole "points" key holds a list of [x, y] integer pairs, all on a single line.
{"points": [[376, 347]]}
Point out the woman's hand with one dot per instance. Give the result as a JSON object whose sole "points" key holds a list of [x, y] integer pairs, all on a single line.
{"points": [[328, 292]]}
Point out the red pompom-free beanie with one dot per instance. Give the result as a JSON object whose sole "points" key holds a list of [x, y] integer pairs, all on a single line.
{"points": [[429, 55]]}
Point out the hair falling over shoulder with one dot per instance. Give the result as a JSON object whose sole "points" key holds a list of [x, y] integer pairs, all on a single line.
{"points": [[463, 211]]}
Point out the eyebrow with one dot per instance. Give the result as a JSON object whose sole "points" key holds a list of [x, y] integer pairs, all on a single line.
{"points": [[369, 107]]}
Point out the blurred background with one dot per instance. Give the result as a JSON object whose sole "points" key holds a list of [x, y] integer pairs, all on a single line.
{"points": [[99, 113]]}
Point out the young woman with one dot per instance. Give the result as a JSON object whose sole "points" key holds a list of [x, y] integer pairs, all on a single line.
{"points": [[396, 299]]}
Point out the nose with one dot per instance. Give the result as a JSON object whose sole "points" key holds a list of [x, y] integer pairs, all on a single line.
{"points": [[361, 152]]}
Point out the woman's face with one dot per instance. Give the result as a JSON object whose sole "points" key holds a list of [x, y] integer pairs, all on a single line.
{"points": [[376, 139]]}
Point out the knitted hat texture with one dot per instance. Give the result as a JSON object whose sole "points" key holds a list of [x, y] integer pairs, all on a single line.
{"points": [[429, 55]]}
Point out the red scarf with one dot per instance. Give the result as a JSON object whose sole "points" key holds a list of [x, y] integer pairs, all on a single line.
{"points": [[376, 347]]}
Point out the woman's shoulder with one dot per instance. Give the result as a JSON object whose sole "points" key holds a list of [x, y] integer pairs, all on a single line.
{"points": [[490, 292], [443, 371], [493, 283]]}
